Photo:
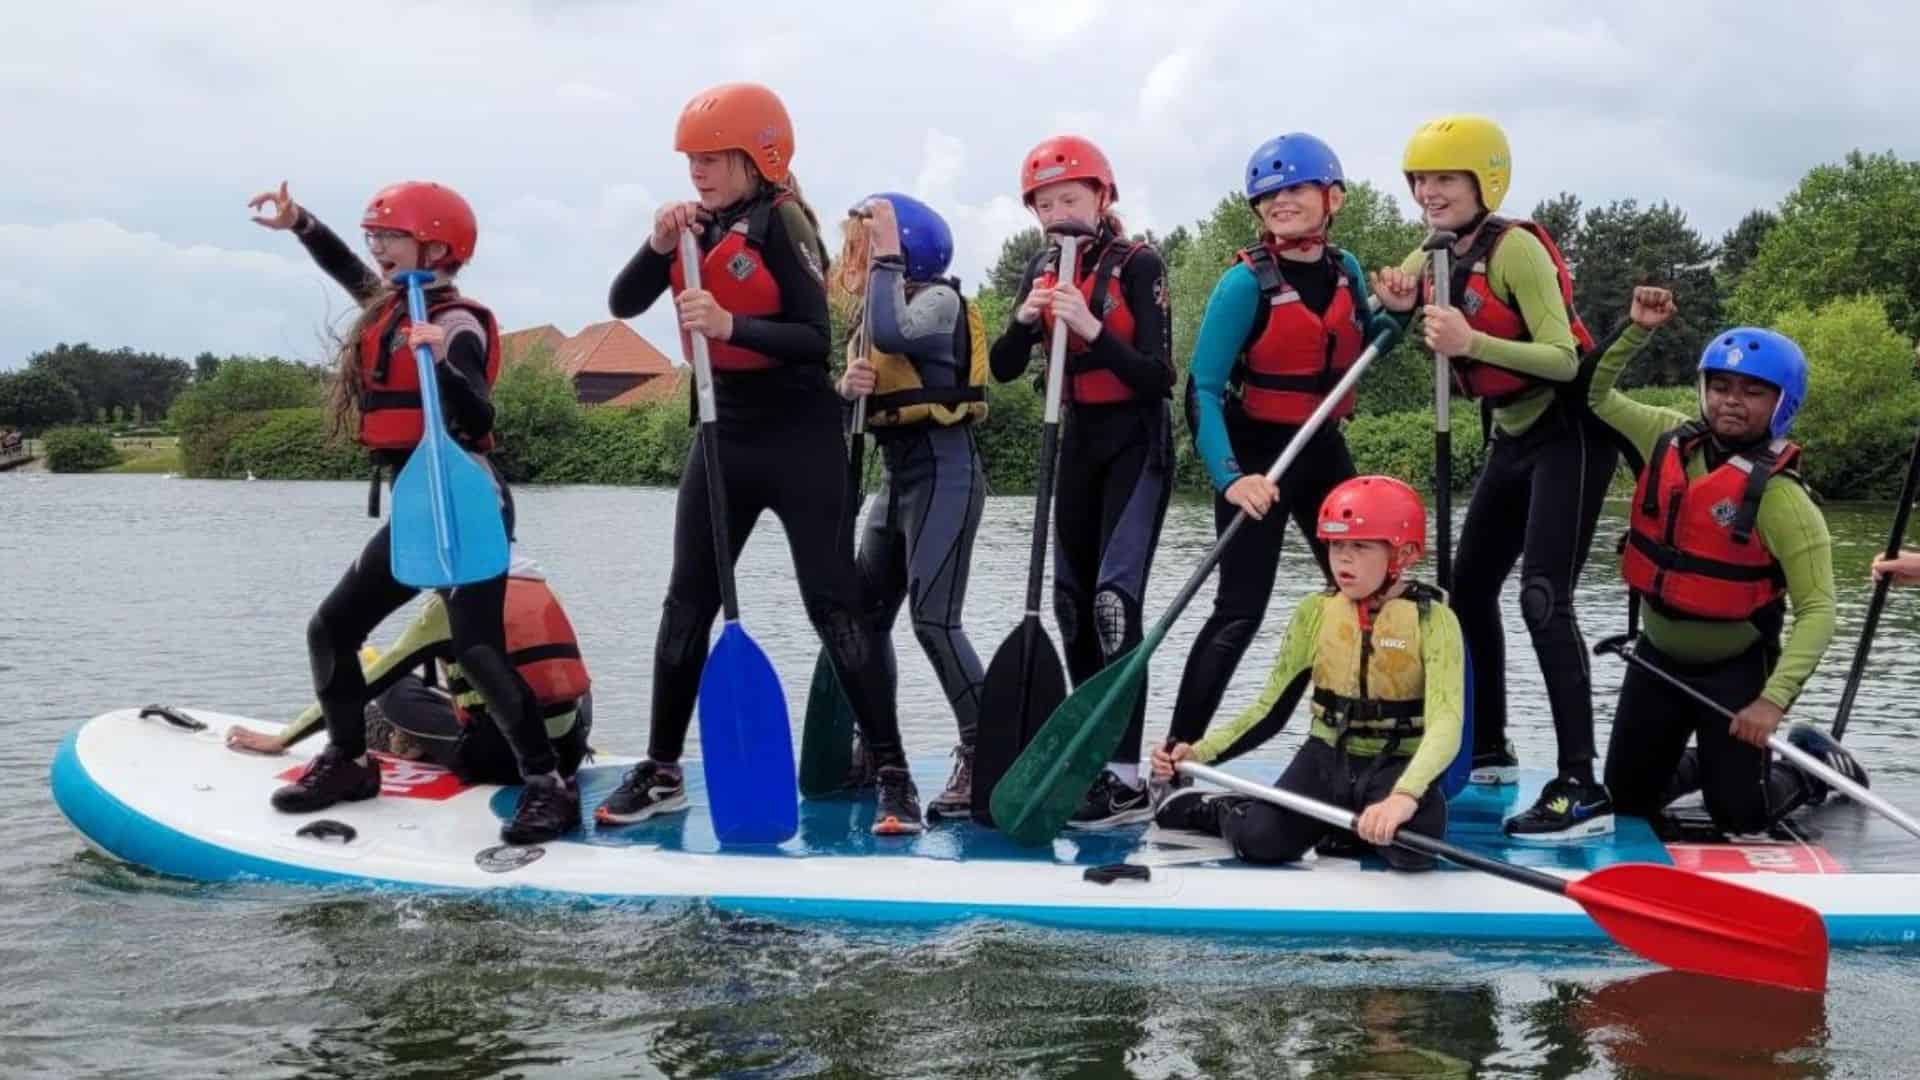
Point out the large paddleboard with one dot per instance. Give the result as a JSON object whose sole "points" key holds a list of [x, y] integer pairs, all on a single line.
{"points": [[177, 801]]}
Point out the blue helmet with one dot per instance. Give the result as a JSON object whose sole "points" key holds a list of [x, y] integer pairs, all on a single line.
{"points": [[1291, 160], [925, 240], [1760, 354]]}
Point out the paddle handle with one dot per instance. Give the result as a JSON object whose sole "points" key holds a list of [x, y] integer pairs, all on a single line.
{"points": [[1908, 490], [1057, 350], [709, 438], [1777, 742], [1295, 447], [1439, 248], [1403, 838], [433, 426]]}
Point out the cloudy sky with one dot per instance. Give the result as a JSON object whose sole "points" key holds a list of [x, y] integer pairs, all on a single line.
{"points": [[135, 133]]}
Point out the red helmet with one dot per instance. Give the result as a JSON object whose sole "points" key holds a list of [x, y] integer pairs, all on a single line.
{"points": [[1065, 157], [1374, 508], [427, 212], [739, 116]]}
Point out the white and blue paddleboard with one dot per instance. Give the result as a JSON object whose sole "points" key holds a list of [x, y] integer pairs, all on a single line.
{"points": [[175, 800]]}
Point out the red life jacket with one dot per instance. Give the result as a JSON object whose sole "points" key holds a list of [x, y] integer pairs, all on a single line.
{"points": [[1473, 294], [540, 645], [1296, 357], [735, 272], [1088, 383], [1691, 549], [390, 413]]}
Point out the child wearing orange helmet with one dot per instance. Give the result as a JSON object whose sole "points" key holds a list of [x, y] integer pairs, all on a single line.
{"points": [[763, 310], [414, 225], [1115, 472], [1383, 655]]}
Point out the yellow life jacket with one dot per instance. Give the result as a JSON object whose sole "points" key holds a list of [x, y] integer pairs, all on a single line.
{"points": [[1372, 684], [899, 400]]}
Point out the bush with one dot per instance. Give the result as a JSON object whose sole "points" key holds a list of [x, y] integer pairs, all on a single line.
{"points": [[1010, 438], [78, 449], [535, 415], [211, 414], [1401, 445], [203, 449], [1862, 403], [292, 444]]}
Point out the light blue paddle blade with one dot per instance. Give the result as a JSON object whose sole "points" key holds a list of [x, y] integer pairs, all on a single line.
{"points": [[746, 747], [1455, 778], [447, 528]]}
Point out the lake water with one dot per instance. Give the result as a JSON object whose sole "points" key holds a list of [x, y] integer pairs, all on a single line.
{"points": [[120, 590]]}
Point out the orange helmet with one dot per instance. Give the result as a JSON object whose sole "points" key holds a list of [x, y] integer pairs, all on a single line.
{"points": [[1374, 508], [427, 212], [739, 116], [1065, 157]]}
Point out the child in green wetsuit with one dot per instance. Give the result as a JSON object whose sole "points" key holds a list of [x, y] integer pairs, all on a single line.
{"points": [[1387, 669], [1723, 539]]}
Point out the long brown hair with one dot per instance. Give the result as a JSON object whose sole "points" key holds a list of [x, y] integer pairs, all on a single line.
{"points": [[343, 390]]}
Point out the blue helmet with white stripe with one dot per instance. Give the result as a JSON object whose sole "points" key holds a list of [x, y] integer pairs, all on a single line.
{"points": [[1291, 160], [1760, 354]]}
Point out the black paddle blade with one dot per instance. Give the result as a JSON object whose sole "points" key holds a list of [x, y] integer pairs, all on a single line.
{"points": [[1024, 684]]}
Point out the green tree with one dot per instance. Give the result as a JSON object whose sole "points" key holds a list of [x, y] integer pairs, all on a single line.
{"points": [[1742, 244], [1622, 245], [1847, 230], [1560, 216], [204, 367], [534, 413], [78, 449], [1015, 253], [1862, 405], [119, 379], [34, 400], [210, 415]]}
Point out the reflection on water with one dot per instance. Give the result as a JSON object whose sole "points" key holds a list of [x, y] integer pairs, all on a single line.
{"points": [[122, 590]]}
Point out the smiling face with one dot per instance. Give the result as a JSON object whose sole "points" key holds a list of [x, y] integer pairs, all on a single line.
{"points": [[1738, 408], [396, 252], [1300, 210], [1069, 202], [1448, 200], [721, 177]]}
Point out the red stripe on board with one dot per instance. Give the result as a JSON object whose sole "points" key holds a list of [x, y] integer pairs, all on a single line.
{"points": [[1762, 858]]}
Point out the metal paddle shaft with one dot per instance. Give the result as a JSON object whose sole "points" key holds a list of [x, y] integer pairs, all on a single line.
{"points": [[1908, 491], [1439, 249], [1674, 917], [1777, 742], [1040, 791], [1024, 681]]}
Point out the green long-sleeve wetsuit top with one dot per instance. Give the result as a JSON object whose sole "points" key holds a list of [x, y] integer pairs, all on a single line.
{"points": [[1231, 312], [1443, 671], [1788, 522], [1522, 274]]}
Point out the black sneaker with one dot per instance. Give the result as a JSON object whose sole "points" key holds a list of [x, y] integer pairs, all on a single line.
{"points": [[548, 807], [332, 777], [1495, 766], [957, 799], [1567, 810], [649, 788], [897, 813], [1831, 754], [1111, 803], [1188, 809]]}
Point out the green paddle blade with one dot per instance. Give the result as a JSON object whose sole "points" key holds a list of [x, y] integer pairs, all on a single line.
{"points": [[826, 737], [1046, 783]]}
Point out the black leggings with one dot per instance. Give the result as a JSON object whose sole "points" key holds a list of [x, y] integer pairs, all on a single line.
{"points": [[797, 469], [1261, 832], [1536, 503], [1248, 566], [1648, 765], [917, 547], [365, 595], [1115, 477]]}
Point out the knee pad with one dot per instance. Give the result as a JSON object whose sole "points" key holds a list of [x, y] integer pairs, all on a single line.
{"points": [[680, 632], [1538, 600], [1112, 615]]}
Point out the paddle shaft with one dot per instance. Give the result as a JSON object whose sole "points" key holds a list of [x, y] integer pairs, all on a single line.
{"points": [[1295, 446], [1907, 492], [434, 426], [1403, 838], [709, 437], [1777, 742], [1439, 247], [1050, 432]]}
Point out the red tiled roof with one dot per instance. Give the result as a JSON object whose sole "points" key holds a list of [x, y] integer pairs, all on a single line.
{"points": [[519, 344], [654, 389], [610, 348]]}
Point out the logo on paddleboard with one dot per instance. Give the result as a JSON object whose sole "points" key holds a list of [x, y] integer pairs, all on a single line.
{"points": [[405, 779], [505, 858]]}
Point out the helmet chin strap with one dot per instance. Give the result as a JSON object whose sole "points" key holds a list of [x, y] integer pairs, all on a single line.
{"points": [[1318, 237]]}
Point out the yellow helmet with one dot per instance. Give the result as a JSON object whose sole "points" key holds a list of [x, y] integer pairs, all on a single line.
{"points": [[1463, 143]]}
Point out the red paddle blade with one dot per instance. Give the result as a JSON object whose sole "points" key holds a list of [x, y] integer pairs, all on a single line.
{"points": [[1691, 922]]}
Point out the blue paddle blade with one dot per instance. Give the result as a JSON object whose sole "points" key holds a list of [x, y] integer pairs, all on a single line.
{"points": [[1455, 778], [447, 528], [746, 747]]}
